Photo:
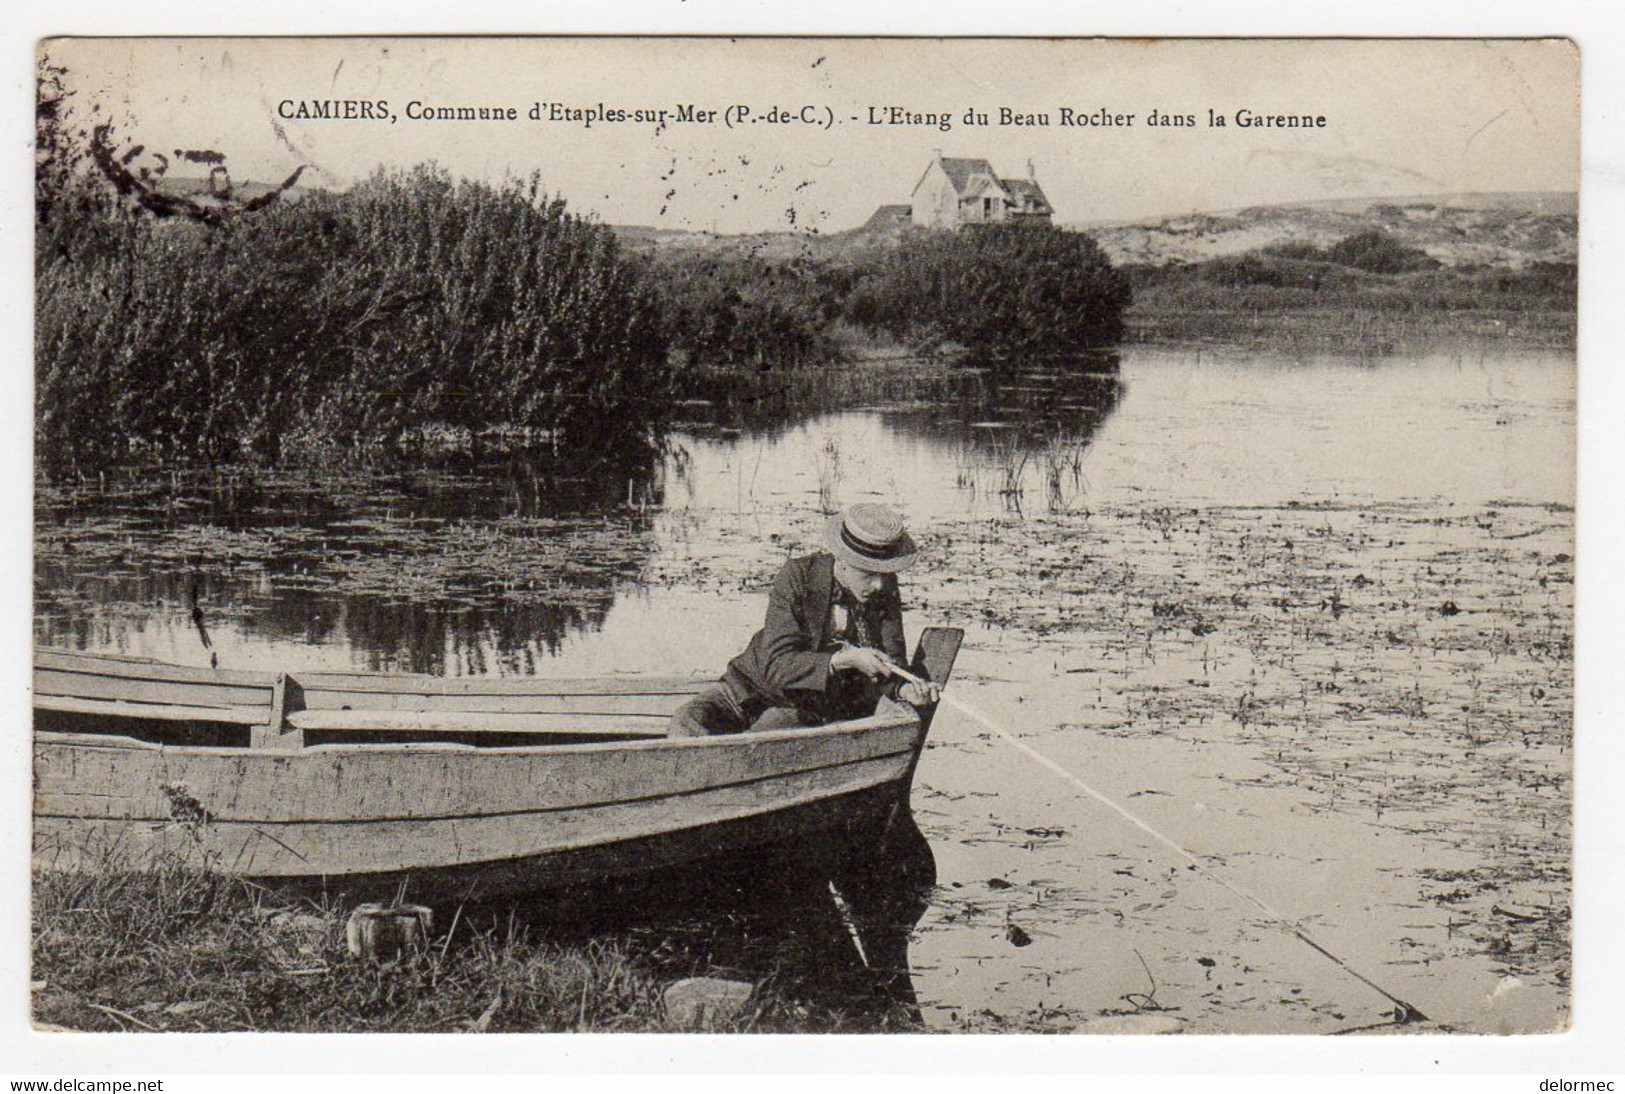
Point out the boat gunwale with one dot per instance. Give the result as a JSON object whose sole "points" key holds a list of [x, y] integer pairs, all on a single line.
{"points": [[534, 811], [364, 683], [901, 716]]}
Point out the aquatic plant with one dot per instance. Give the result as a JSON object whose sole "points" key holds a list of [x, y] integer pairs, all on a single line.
{"points": [[1008, 456], [1062, 460], [827, 460]]}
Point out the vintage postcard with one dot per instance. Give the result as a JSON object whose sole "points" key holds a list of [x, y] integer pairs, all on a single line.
{"points": [[794, 535]]}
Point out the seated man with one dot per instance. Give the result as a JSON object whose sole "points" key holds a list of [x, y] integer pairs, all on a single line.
{"points": [[834, 627]]}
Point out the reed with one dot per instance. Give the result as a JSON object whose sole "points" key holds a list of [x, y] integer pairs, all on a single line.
{"points": [[1008, 456], [337, 323], [827, 461], [1062, 461]]}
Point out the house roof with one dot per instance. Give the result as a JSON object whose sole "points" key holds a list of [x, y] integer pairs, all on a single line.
{"points": [[1020, 188], [981, 185], [961, 171], [889, 214]]}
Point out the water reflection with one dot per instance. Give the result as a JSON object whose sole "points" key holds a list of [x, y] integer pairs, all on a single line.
{"points": [[490, 563], [1304, 473], [475, 562], [1039, 396], [438, 570], [826, 926], [1011, 437], [498, 566], [1024, 425]]}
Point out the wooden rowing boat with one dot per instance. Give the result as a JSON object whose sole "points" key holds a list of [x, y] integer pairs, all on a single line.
{"points": [[457, 786]]}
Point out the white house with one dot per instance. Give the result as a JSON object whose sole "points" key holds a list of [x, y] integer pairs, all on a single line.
{"points": [[953, 192]]}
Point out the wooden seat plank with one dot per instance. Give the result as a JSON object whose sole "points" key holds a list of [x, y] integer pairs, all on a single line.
{"points": [[498, 685], [163, 712], [408, 721], [139, 669], [595, 706], [86, 685]]}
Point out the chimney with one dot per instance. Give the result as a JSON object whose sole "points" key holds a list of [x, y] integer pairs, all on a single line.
{"points": [[1032, 173], [936, 153]]}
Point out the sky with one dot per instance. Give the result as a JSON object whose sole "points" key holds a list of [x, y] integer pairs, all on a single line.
{"points": [[1400, 118]]}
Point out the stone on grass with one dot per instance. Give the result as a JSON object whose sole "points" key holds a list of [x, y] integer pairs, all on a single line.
{"points": [[703, 1001], [299, 923], [384, 933]]}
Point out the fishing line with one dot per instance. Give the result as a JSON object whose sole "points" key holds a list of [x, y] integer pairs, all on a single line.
{"points": [[1405, 1012]]}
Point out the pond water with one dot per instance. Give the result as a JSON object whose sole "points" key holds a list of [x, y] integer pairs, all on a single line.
{"points": [[1312, 618]]}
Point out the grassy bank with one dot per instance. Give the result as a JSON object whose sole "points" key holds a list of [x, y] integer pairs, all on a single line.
{"points": [[168, 949], [1367, 294], [1362, 331]]}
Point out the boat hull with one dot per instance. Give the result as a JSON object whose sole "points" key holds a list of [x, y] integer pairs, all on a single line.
{"points": [[453, 788], [461, 823]]}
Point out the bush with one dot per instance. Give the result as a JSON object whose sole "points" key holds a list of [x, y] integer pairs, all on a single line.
{"points": [[999, 291], [727, 310], [1375, 251], [411, 300], [1267, 269], [1298, 250]]}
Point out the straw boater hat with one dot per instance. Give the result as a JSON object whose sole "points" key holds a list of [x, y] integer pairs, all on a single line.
{"points": [[870, 537]]}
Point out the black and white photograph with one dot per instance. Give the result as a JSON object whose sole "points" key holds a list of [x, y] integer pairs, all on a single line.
{"points": [[804, 535]]}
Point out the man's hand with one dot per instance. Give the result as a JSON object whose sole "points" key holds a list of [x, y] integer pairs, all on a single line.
{"points": [[920, 695], [872, 663]]}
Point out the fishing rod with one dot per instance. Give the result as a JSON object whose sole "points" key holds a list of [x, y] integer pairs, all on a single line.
{"points": [[1404, 1013]]}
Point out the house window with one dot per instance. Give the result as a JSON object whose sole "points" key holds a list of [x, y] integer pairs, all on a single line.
{"points": [[987, 207]]}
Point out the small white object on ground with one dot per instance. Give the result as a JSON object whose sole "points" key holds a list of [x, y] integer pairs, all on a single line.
{"points": [[701, 1001], [380, 933], [1506, 985], [300, 923], [1132, 1024]]}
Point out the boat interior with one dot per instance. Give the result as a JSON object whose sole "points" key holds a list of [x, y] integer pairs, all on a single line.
{"points": [[154, 703], [165, 704]]}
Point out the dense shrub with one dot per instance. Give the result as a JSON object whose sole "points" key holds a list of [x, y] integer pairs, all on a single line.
{"points": [[1550, 285], [725, 309], [999, 291], [1256, 269], [1375, 251], [1300, 250], [350, 318]]}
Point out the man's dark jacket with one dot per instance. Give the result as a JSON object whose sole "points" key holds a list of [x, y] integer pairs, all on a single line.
{"points": [[787, 661]]}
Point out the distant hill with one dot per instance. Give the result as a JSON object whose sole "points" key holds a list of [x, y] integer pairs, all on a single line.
{"points": [[1508, 229], [1502, 229]]}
